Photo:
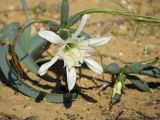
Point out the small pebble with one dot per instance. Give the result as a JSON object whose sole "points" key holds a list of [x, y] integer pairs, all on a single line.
{"points": [[121, 54]]}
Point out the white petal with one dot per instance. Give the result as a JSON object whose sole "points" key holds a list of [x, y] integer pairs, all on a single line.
{"points": [[44, 68], [83, 22], [50, 36], [71, 77], [94, 65], [98, 41]]}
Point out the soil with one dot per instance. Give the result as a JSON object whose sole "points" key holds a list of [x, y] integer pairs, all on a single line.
{"points": [[130, 43]]}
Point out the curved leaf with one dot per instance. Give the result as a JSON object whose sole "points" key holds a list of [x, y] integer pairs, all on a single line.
{"points": [[142, 85], [53, 25], [133, 16], [18, 83], [37, 45], [73, 19], [8, 31], [25, 57]]}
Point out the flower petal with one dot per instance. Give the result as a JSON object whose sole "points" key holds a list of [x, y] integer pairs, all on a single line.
{"points": [[50, 36], [83, 22], [98, 41], [93, 65], [44, 68], [71, 77]]}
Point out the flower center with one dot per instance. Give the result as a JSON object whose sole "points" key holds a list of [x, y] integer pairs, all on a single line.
{"points": [[70, 50], [69, 46]]}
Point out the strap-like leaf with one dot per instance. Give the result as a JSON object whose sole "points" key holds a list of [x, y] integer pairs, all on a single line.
{"points": [[112, 68], [134, 68], [26, 58], [19, 84], [64, 12], [132, 16], [26, 41], [63, 34], [73, 19], [151, 71], [53, 25], [142, 85], [8, 31], [138, 67], [37, 45]]}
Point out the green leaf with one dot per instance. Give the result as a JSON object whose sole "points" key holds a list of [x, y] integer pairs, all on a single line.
{"points": [[26, 58], [84, 34], [132, 16], [112, 68], [37, 46], [8, 31], [63, 34], [134, 68], [53, 25], [26, 41], [20, 85], [151, 71], [64, 12], [138, 67], [142, 85], [73, 19]]}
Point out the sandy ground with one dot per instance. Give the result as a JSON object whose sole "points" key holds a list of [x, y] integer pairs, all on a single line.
{"points": [[125, 46]]}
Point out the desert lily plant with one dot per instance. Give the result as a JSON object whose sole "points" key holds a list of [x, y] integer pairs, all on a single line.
{"points": [[74, 51], [24, 49]]}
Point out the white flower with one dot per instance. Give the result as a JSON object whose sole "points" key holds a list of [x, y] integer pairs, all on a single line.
{"points": [[74, 51]]}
